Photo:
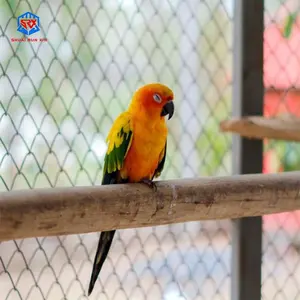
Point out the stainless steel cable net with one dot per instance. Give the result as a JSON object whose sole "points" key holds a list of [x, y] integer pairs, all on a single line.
{"points": [[281, 263], [58, 100]]}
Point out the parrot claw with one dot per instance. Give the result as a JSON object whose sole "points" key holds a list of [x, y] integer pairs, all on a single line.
{"points": [[150, 183]]}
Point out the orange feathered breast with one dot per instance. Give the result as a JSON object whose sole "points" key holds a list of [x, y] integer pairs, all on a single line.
{"points": [[148, 143]]}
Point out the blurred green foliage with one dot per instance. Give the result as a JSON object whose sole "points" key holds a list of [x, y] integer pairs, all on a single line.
{"points": [[214, 145], [289, 23], [288, 155]]}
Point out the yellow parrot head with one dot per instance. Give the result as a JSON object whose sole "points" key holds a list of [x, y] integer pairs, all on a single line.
{"points": [[156, 99]]}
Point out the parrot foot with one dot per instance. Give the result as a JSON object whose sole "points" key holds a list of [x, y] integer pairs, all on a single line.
{"points": [[150, 183]]}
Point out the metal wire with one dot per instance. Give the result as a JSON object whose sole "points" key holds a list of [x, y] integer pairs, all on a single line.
{"points": [[281, 268], [58, 100]]}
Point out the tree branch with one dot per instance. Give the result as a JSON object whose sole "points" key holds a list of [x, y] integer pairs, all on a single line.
{"points": [[47, 212]]}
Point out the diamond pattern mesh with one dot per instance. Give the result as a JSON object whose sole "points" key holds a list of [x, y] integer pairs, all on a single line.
{"points": [[58, 101], [281, 268]]}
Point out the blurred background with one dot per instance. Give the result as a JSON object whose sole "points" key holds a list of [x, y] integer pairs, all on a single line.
{"points": [[59, 99]]}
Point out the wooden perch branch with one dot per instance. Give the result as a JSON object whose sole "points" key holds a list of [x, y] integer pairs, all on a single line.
{"points": [[46, 212], [259, 128]]}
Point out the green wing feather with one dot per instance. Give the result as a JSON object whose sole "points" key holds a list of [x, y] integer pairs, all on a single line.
{"points": [[119, 141]]}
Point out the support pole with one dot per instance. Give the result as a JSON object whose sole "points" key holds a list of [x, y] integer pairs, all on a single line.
{"points": [[247, 154]]}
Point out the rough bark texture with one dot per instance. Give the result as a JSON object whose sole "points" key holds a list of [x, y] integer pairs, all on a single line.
{"points": [[260, 128], [46, 212]]}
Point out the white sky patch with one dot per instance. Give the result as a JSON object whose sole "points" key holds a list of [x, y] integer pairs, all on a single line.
{"points": [[99, 147], [174, 295]]}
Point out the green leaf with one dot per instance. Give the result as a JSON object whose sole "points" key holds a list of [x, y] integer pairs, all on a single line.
{"points": [[290, 21]]}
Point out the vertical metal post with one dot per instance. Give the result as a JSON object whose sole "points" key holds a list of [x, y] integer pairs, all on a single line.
{"points": [[247, 154]]}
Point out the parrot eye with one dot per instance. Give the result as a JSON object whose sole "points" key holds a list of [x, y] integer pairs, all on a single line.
{"points": [[157, 98]]}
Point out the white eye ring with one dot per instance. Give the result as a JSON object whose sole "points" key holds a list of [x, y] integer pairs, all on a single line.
{"points": [[157, 98]]}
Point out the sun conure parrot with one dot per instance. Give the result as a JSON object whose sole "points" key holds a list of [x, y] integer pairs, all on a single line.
{"points": [[137, 144]]}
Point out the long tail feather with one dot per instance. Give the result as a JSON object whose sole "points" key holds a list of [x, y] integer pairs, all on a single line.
{"points": [[104, 244]]}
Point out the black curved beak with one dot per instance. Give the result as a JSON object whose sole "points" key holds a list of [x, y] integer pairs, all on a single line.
{"points": [[168, 109]]}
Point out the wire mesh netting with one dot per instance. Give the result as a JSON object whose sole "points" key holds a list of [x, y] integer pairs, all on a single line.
{"points": [[59, 97], [281, 263]]}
